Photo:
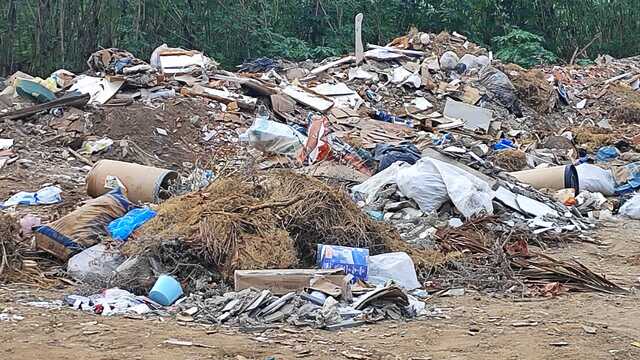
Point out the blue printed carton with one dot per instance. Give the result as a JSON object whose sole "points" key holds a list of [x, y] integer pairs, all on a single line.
{"points": [[354, 261]]}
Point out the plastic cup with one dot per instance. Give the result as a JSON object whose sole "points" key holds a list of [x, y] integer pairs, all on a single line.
{"points": [[166, 290]]}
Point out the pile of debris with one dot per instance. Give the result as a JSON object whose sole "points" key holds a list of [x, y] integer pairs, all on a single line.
{"points": [[251, 308], [425, 160], [270, 221]]}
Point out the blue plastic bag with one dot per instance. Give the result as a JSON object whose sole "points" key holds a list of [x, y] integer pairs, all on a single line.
{"points": [[121, 228], [354, 261], [633, 180], [607, 153]]}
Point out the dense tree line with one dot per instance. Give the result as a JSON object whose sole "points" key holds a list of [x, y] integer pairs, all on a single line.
{"points": [[39, 36]]}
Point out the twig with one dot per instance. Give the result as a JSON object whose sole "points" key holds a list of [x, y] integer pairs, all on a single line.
{"points": [[80, 157], [4, 258], [270, 205], [578, 53]]}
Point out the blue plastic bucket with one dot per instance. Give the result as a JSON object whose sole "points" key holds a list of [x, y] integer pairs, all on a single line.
{"points": [[166, 290]]}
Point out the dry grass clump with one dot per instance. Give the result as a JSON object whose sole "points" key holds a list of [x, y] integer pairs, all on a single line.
{"points": [[593, 139], [511, 160], [628, 103], [532, 87]]}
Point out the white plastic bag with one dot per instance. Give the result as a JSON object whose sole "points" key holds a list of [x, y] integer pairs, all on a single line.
{"points": [[449, 60], [396, 266], [423, 183], [630, 209], [470, 61], [596, 179], [374, 184], [270, 136], [431, 183], [95, 264]]}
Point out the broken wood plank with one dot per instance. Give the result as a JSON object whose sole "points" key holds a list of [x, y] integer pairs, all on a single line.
{"points": [[328, 66], [308, 98], [80, 157], [399, 51], [75, 101], [244, 102]]}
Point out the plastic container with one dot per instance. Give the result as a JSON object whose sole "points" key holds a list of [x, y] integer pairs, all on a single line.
{"points": [[166, 290]]}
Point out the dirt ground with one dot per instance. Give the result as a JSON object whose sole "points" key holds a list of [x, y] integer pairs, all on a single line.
{"points": [[478, 326]]}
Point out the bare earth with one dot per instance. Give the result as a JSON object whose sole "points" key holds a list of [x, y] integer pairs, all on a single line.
{"points": [[576, 326]]}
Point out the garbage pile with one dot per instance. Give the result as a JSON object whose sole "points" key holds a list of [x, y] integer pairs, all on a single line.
{"points": [[383, 167]]}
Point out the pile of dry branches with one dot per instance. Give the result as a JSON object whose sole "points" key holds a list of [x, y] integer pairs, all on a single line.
{"points": [[273, 220], [501, 259]]}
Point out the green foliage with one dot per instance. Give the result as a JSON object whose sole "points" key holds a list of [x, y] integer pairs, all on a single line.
{"points": [[523, 48], [40, 36], [584, 62], [291, 48]]}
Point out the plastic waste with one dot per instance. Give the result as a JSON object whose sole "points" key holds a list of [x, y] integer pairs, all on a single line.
{"points": [[471, 62], [121, 228], [386, 117], [504, 144], [631, 208], [316, 147], [6, 143], [596, 179], [274, 137], [92, 147], [396, 266], [448, 61], [95, 265], [166, 290], [607, 153], [423, 183], [374, 184], [109, 302], [376, 215], [162, 94], [483, 60], [45, 196], [501, 88], [632, 181], [36, 89], [431, 183], [360, 159]]}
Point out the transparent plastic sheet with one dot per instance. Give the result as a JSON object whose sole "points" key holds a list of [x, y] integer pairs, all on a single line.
{"points": [[95, 265], [396, 266], [374, 184], [631, 209], [273, 137]]}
